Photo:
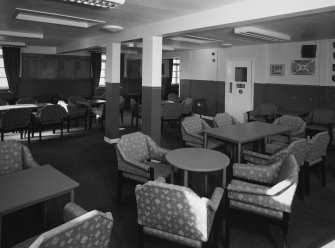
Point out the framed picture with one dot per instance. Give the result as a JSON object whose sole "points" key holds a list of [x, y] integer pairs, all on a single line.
{"points": [[303, 67], [277, 70]]}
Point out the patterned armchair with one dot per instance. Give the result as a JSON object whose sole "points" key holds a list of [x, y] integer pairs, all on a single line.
{"points": [[266, 112], [316, 154], [223, 119], [135, 152], [50, 115], [296, 123], [15, 120], [136, 112], [186, 107], [14, 157], [170, 112], [270, 193], [319, 120], [192, 132], [175, 213], [74, 113], [25, 100], [81, 229]]}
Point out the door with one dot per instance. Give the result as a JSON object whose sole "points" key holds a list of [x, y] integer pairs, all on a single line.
{"points": [[240, 90]]}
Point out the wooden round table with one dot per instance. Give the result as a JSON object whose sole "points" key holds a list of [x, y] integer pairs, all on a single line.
{"points": [[198, 160]]}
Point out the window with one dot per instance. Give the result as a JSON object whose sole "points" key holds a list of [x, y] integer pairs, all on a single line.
{"points": [[176, 71], [3, 79], [102, 82]]}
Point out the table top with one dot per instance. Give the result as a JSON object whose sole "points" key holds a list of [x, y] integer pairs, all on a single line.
{"points": [[246, 132], [92, 102], [197, 159], [30, 105], [31, 186]]}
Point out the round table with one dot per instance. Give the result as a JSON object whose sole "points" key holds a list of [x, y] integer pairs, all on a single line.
{"points": [[198, 160]]}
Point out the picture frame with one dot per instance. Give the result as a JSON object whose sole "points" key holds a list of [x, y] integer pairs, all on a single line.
{"points": [[303, 67], [277, 70]]}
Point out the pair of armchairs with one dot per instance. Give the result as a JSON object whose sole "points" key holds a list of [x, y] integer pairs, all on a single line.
{"points": [[81, 229], [192, 128], [14, 157], [266, 190], [175, 213], [266, 112]]}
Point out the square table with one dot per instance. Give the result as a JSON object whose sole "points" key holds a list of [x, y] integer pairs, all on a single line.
{"points": [[31, 186], [243, 133]]}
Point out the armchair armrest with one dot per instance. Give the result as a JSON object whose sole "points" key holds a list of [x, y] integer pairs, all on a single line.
{"points": [[128, 160], [72, 211], [309, 117], [215, 200], [156, 152], [28, 160], [256, 158], [257, 173], [160, 180]]}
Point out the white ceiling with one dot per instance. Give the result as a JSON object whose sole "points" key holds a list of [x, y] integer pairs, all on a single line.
{"points": [[138, 12]]}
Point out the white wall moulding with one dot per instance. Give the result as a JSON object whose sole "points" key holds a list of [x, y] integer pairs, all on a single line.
{"points": [[263, 34]]}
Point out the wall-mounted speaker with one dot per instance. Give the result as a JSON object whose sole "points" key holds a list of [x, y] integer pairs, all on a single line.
{"points": [[308, 51]]}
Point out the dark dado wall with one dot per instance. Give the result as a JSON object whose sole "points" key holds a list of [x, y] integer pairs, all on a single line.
{"points": [[295, 97], [213, 92]]}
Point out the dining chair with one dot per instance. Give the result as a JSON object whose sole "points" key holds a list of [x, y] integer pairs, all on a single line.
{"points": [[266, 191], [15, 120], [140, 159], [98, 114], [265, 112], [14, 157], [224, 119], [170, 112], [81, 229], [136, 112], [175, 213]]}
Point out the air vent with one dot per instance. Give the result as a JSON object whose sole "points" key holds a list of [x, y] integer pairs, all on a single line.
{"points": [[263, 34], [194, 39]]}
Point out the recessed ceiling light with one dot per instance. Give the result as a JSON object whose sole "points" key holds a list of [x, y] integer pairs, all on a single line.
{"points": [[113, 28], [54, 18], [226, 44], [107, 4], [21, 34], [12, 43], [194, 39]]}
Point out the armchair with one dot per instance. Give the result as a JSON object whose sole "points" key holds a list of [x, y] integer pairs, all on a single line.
{"points": [[266, 112], [316, 155], [223, 119], [170, 112], [174, 97], [50, 115], [136, 112], [135, 152], [72, 100], [81, 229], [319, 120], [192, 133], [186, 107], [273, 200], [74, 113], [14, 157], [15, 120], [175, 213]]}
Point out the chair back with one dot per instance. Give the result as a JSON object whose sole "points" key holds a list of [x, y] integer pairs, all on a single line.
{"points": [[134, 146], [75, 99], [3, 102], [193, 124], [136, 109], [91, 230], [171, 110], [11, 159], [323, 116], [25, 100], [298, 148], [267, 109], [15, 118], [294, 122], [173, 97], [173, 209], [51, 113], [317, 146], [121, 102], [222, 119], [186, 106], [289, 170]]}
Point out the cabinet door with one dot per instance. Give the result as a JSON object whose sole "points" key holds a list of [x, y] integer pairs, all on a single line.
{"points": [[66, 67], [49, 67], [31, 65], [83, 68]]}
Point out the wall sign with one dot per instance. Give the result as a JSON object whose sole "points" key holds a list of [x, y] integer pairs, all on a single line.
{"points": [[277, 70], [303, 67]]}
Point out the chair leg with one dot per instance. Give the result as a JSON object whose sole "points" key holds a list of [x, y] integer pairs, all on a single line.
{"points": [[140, 237], [40, 133], [2, 135], [61, 129], [136, 122], [21, 133], [68, 125], [85, 119], [119, 190], [28, 128], [227, 218], [121, 113], [323, 171], [307, 182], [301, 183], [285, 229]]}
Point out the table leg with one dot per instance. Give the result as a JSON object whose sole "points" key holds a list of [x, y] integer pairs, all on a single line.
{"points": [[0, 230], [72, 196], [45, 215], [239, 153], [185, 178], [206, 183], [172, 175], [224, 178], [205, 140]]}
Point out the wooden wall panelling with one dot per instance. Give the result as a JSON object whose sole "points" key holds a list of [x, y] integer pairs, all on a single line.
{"points": [[327, 97], [258, 94], [31, 65], [220, 97], [66, 67], [49, 67], [83, 68], [185, 88]]}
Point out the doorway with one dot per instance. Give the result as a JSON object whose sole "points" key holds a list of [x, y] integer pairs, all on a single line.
{"points": [[240, 88]]}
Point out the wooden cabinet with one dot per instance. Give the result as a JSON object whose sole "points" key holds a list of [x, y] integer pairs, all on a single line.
{"points": [[83, 67], [66, 67], [31, 66], [49, 67]]}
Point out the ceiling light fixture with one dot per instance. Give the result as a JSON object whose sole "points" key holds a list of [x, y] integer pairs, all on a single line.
{"points": [[12, 43], [113, 28], [260, 33], [107, 4], [140, 45], [54, 18], [194, 39], [21, 34]]}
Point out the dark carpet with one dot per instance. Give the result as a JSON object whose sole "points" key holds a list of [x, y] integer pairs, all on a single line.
{"points": [[85, 157]]}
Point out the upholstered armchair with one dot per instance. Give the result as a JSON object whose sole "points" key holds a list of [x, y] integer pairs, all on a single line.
{"points": [[266, 112], [135, 154], [192, 128], [49, 116], [136, 112], [81, 229], [14, 157], [15, 120], [316, 155], [170, 112], [174, 97], [25, 100], [296, 123], [186, 107], [74, 113], [175, 213], [264, 190], [319, 120], [224, 119]]}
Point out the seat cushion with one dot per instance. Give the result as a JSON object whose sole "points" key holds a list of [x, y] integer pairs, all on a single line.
{"points": [[280, 138], [318, 127], [160, 169]]}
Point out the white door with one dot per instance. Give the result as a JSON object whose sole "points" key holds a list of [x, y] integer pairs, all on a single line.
{"points": [[239, 93]]}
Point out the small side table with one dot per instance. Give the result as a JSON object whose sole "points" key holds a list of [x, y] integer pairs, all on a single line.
{"points": [[198, 160]]}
